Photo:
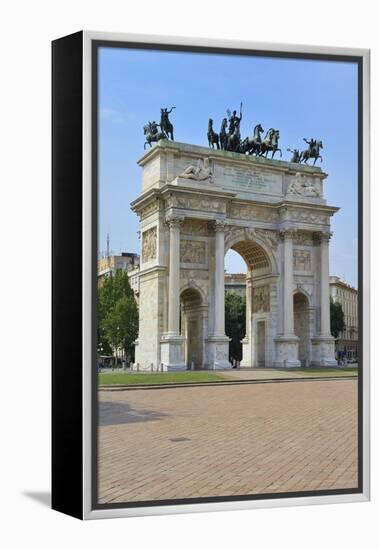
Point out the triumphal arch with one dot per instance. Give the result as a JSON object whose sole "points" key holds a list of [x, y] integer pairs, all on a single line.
{"points": [[196, 204]]}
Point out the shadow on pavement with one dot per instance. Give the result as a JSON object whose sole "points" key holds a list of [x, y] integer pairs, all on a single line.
{"points": [[111, 413], [42, 497]]}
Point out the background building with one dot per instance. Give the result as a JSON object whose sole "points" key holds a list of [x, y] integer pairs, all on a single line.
{"points": [[347, 296], [109, 263], [235, 282]]}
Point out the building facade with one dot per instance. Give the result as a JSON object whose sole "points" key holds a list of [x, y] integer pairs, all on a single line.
{"points": [[347, 296]]}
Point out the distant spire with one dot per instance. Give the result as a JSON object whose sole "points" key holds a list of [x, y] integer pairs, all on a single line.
{"points": [[107, 245]]}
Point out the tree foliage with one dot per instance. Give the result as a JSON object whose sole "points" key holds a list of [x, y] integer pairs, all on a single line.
{"points": [[235, 323], [117, 314], [337, 318]]}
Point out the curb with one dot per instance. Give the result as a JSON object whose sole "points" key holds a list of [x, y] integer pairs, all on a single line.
{"points": [[119, 387]]}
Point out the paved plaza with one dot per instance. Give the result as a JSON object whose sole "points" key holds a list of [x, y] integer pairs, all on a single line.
{"points": [[230, 440]]}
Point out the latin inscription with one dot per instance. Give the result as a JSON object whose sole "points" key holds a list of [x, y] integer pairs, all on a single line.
{"points": [[250, 179]]}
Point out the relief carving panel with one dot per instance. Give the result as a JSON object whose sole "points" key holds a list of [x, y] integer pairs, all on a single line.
{"points": [[192, 252], [261, 299], [301, 260], [149, 244]]}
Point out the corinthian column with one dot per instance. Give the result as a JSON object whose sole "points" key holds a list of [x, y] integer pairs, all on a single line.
{"points": [[324, 284], [174, 276], [288, 327], [219, 308]]}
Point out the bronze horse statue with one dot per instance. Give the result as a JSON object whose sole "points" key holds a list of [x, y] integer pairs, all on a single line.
{"points": [[213, 138], [223, 133], [253, 146], [270, 143]]}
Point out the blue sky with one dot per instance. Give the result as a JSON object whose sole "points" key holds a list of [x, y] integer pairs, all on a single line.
{"points": [[301, 98]]}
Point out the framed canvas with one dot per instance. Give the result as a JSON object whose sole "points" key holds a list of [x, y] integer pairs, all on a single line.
{"points": [[210, 275]]}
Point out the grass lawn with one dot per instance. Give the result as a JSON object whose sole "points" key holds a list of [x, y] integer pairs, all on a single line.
{"points": [[126, 378], [106, 378]]}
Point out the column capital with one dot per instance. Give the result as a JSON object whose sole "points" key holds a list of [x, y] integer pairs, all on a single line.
{"points": [[219, 226], [174, 221], [289, 233], [322, 236]]}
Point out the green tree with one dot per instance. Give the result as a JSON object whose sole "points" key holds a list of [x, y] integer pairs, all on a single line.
{"points": [[115, 302], [121, 324], [235, 323], [337, 318]]}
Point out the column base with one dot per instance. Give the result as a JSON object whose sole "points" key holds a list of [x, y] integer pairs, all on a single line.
{"points": [[218, 352], [172, 353], [323, 351], [287, 352]]}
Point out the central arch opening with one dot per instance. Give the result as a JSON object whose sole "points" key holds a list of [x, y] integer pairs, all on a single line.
{"points": [[247, 304], [191, 327]]}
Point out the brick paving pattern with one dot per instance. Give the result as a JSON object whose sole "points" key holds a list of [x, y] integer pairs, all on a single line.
{"points": [[230, 440]]}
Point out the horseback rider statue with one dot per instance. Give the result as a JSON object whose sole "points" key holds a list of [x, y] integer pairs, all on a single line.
{"points": [[152, 133], [313, 151]]}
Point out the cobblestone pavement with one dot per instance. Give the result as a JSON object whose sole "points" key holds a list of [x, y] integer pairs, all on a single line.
{"points": [[227, 440]]}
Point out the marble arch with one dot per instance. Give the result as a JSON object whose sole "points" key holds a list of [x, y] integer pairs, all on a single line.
{"points": [[250, 205]]}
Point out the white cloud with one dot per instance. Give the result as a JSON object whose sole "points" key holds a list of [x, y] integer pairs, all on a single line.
{"points": [[111, 115]]}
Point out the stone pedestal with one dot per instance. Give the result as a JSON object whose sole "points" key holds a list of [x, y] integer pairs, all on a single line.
{"points": [[287, 352], [246, 354], [323, 352], [218, 352], [172, 353]]}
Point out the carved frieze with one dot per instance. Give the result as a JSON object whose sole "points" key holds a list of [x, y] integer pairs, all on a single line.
{"points": [[192, 252], [252, 212], [149, 244], [194, 203], [261, 299], [195, 227], [301, 259], [308, 216], [149, 209], [303, 238]]}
